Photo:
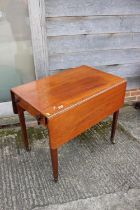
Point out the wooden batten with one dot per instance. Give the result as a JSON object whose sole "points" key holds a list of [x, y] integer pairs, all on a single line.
{"points": [[39, 36]]}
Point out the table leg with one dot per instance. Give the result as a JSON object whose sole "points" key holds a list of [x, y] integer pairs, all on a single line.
{"points": [[114, 125], [54, 157], [14, 103], [23, 127]]}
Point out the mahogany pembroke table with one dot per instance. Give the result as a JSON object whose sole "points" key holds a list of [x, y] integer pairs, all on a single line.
{"points": [[68, 103]]}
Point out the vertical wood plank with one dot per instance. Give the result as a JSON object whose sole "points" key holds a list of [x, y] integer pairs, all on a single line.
{"points": [[39, 36]]}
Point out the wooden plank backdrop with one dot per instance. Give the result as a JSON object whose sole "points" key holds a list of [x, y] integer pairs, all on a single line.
{"points": [[100, 33]]}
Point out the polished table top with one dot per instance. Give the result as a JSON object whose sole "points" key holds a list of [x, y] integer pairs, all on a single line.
{"points": [[60, 92]]}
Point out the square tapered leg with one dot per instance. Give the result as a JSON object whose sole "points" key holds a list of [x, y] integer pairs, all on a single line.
{"points": [[114, 126], [23, 127], [54, 158]]}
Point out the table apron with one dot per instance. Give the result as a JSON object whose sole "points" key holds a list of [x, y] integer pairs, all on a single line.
{"points": [[27, 107]]}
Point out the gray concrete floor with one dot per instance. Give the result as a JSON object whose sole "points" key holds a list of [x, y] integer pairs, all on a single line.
{"points": [[93, 173], [129, 200], [130, 120]]}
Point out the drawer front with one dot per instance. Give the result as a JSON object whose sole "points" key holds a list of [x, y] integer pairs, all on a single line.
{"points": [[69, 124]]}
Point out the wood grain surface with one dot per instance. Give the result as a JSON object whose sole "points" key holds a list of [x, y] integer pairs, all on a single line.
{"points": [[39, 36], [92, 25], [95, 58], [87, 8], [71, 123], [55, 94]]}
